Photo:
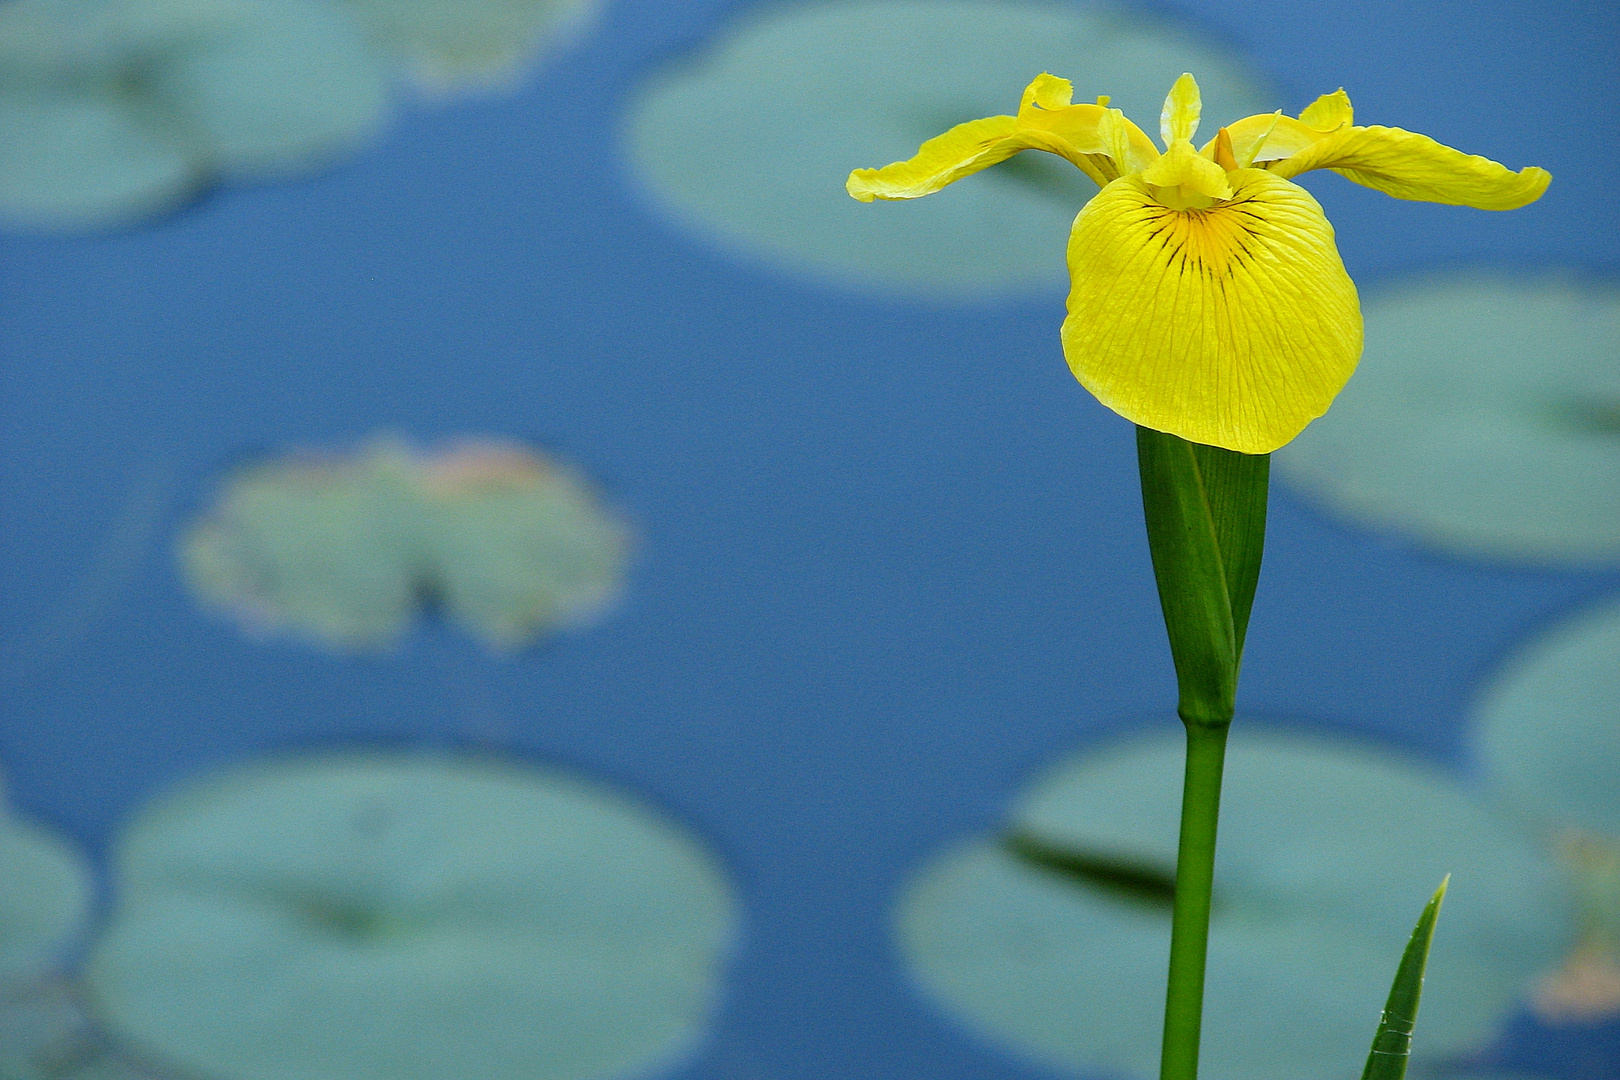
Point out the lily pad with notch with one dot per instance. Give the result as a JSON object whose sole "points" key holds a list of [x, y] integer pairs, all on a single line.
{"points": [[346, 548]]}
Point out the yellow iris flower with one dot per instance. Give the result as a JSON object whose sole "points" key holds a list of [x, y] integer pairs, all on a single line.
{"points": [[1208, 299]]}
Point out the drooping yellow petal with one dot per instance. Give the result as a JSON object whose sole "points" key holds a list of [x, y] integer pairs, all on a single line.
{"points": [[1233, 326], [1182, 107], [962, 151], [1412, 166], [1046, 121]]}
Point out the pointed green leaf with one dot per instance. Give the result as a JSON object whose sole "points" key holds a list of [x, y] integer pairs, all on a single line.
{"points": [[1392, 1045]]}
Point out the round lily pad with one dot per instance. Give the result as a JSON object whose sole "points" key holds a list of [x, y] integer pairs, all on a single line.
{"points": [[1484, 420], [45, 1035], [344, 549], [749, 142], [1053, 939], [409, 917], [115, 110], [279, 88], [45, 895], [76, 162], [1548, 735], [450, 44], [1548, 725]]}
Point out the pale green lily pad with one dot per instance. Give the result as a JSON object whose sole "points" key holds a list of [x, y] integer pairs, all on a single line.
{"points": [[77, 162], [1548, 725], [1548, 735], [750, 142], [344, 549], [46, 889], [112, 111], [287, 86], [46, 1035], [400, 917], [1326, 850], [453, 44], [1484, 420]]}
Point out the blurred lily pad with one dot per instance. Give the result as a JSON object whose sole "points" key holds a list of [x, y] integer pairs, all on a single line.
{"points": [[1325, 847], [45, 895], [112, 111], [451, 44], [1484, 420], [398, 917], [45, 1034], [1548, 725], [749, 142], [344, 549], [1548, 735]]}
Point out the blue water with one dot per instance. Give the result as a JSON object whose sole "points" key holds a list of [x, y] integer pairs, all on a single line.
{"points": [[891, 554]]}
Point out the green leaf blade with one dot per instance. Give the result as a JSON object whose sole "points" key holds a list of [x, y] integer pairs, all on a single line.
{"points": [[1392, 1043]]}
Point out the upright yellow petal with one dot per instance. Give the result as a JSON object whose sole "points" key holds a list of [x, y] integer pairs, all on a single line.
{"points": [[1182, 107], [1412, 166], [1233, 326]]}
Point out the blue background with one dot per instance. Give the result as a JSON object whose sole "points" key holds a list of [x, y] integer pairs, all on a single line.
{"points": [[891, 555]]}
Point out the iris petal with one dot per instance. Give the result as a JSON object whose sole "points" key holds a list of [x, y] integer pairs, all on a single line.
{"points": [[1330, 112], [1182, 106], [1267, 137], [1412, 166], [1233, 326], [944, 159], [1045, 121]]}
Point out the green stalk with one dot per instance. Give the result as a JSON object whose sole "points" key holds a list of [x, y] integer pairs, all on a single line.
{"points": [[1195, 878], [1206, 516]]}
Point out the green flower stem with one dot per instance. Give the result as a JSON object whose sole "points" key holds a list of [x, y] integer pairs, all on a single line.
{"points": [[1195, 877], [1206, 519]]}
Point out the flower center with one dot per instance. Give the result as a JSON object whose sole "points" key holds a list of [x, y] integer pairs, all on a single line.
{"points": [[1183, 179], [1180, 197]]}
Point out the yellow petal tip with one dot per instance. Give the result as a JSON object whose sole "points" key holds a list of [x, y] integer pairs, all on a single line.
{"points": [[1329, 112], [859, 185], [1182, 106]]}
